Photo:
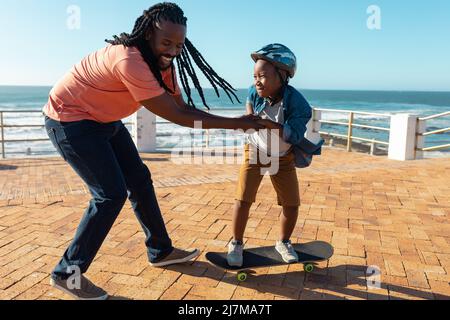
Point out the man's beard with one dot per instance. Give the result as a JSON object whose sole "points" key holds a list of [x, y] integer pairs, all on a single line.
{"points": [[165, 67]]}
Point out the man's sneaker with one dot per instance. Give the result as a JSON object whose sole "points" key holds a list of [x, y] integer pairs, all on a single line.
{"points": [[287, 251], [177, 256], [235, 254], [86, 289]]}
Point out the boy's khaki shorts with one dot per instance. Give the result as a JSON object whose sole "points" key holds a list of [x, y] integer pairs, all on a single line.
{"points": [[284, 181]]}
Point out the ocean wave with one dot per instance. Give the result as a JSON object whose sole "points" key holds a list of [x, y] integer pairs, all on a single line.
{"points": [[423, 104]]}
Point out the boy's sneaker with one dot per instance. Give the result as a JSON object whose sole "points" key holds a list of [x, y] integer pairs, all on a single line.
{"points": [[287, 251], [235, 254], [177, 256], [86, 291]]}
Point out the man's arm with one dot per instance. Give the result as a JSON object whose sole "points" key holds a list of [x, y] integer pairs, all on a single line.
{"points": [[181, 103], [166, 107], [184, 106]]}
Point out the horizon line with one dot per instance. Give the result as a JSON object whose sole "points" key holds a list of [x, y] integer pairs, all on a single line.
{"points": [[311, 89]]}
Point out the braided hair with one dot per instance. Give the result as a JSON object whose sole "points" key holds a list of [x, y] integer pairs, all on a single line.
{"points": [[171, 12]]}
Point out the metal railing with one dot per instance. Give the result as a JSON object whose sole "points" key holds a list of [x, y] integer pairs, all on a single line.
{"points": [[422, 133], [350, 124], [207, 132], [4, 126], [349, 137]]}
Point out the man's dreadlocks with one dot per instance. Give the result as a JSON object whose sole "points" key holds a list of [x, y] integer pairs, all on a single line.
{"points": [[171, 12]]}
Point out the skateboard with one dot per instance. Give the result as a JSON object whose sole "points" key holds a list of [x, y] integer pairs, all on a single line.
{"points": [[308, 253]]}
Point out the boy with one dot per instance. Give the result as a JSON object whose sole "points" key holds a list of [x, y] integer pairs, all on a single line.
{"points": [[285, 113]]}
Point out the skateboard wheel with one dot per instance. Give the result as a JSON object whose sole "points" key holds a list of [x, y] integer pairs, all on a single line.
{"points": [[242, 276], [308, 268]]}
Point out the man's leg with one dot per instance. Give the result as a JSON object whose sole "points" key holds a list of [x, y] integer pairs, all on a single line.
{"points": [[85, 146], [143, 199]]}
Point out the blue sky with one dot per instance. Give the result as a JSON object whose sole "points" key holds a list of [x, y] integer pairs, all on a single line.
{"points": [[330, 37]]}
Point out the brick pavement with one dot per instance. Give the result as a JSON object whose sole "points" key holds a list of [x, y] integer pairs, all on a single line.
{"points": [[375, 212]]}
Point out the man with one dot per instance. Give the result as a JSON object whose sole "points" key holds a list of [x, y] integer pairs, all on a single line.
{"points": [[83, 116]]}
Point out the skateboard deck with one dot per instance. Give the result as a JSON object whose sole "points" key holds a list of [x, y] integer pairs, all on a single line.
{"points": [[308, 253]]}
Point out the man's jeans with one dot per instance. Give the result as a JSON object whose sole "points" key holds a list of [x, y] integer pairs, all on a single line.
{"points": [[106, 158]]}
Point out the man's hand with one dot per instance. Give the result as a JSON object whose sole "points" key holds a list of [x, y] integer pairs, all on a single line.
{"points": [[251, 117], [270, 124]]}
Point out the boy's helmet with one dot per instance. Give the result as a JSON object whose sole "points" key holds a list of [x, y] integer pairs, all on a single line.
{"points": [[281, 56]]}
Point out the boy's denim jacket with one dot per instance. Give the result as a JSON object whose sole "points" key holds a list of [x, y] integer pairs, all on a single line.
{"points": [[297, 113]]}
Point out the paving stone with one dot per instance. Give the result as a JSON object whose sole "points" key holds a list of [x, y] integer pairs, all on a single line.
{"points": [[376, 212]]}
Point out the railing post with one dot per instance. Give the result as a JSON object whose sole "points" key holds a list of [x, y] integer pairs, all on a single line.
{"points": [[420, 139], [313, 127], [402, 137], [144, 130], [350, 132], [3, 135], [207, 138], [207, 135], [331, 143], [372, 147]]}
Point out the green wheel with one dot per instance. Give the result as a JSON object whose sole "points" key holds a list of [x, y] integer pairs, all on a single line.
{"points": [[242, 276], [308, 268]]}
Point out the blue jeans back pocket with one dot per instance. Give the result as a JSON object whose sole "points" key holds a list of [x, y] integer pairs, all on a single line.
{"points": [[54, 139]]}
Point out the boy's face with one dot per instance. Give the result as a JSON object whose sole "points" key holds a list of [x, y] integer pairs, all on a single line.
{"points": [[166, 41], [266, 79]]}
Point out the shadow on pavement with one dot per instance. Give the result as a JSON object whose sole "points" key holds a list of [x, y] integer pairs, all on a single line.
{"points": [[342, 280]]}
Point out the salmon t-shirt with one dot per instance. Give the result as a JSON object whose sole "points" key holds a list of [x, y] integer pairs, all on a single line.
{"points": [[106, 86]]}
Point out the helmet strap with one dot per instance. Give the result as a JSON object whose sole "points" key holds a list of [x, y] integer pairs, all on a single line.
{"points": [[284, 80], [273, 100]]}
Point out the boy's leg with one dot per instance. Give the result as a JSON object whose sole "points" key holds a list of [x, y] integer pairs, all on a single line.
{"points": [[143, 198], [249, 181], [286, 185], [288, 222], [240, 218], [84, 145]]}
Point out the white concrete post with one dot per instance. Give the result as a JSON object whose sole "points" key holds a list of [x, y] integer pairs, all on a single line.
{"points": [[402, 138], [313, 127], [144, 130]]}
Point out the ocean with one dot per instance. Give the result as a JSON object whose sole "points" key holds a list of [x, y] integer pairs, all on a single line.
{"points": [[14, 98]]}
